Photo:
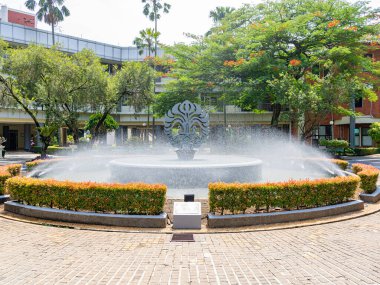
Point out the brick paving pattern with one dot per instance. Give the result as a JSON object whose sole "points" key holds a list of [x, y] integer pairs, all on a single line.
{"points": [[338, 253]]}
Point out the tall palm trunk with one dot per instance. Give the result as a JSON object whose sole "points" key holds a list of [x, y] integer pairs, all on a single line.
{"points": [[155, 27], [53, 33]]}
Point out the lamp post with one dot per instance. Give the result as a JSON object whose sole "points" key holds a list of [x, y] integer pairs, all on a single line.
{"points": [[144, 126], [332, 129]]}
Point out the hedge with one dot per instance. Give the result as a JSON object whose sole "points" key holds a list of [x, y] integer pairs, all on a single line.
{"points": [[132, 198], [236, 198], [341, 163], [368, 175], [7, 172], [34, 163], [366, 151]]}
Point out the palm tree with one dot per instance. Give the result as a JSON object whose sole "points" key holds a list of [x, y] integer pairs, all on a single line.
{"points": [[50, 11], [152, 10], [147, 40], [220, 13]]}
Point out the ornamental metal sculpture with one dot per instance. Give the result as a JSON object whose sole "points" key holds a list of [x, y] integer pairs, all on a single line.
{"points": [[187, 127]]}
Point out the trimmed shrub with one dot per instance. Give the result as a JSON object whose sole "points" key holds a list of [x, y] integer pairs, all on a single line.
{"points": [[334, 143], [366, 151], [4, 175], [341, 163], [238, 197], [368, 175], [14, 169], [7, 172], [59, 150], [132, 198], [34, 163]]}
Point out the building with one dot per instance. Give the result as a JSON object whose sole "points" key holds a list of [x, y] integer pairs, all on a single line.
{"points": [[338, 127], [19, 29]]}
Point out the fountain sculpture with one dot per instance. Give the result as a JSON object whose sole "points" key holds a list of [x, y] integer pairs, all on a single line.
{"points": [[187, 127]]}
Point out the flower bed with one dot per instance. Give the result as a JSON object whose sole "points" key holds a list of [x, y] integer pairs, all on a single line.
{"points": [[7, 172], [133, 198], [368, 175], [235, 198]]}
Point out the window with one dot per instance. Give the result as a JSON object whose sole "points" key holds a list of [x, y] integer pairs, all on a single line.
{"points": [[366, 139], [323, 132], [359, 103], [357, 137]]}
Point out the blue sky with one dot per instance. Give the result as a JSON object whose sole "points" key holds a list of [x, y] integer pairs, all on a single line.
{"points": [[119, 21]]}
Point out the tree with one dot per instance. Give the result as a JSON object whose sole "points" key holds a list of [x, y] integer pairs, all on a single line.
{"points": [[109, 124], [25, 80], [147, 40], [152, 10], [132, 84], [374, 132], [80, 78], [50, 11], [220, 13], [290, 54]]}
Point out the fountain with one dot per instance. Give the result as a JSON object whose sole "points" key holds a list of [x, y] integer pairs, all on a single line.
{"points": [[263, 156], [187, 127]]}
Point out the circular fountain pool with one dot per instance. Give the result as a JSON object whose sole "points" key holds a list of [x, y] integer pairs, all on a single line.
{"points": [[197, 173]]}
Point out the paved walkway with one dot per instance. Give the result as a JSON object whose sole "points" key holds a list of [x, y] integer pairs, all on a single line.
{"points": [[345, 252], [17, 157], [338, 253]]}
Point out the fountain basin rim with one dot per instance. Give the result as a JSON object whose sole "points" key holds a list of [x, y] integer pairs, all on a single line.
{"points": [[177, 164]]}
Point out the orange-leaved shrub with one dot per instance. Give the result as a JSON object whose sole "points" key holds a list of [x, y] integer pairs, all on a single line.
{"points": [[237, 198], [341, 163], [368, 175], [6, 172], [132, 198]]}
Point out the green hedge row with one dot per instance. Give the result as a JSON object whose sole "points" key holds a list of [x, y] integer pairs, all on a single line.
{"points": [[234, 198], [366, 151], [133, 198], [53, 150], [368, 175]]}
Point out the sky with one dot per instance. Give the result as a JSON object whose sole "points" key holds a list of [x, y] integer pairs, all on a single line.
{"points": [[118, 22]]}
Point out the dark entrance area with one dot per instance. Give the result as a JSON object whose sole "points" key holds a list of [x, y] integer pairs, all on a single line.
{"points": [[12, 138]]}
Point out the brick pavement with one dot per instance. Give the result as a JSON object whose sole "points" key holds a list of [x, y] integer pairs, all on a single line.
{"points": [[338, 253]]}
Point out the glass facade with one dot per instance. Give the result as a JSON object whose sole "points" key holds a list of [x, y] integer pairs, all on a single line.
{"points": [[25, 35]]}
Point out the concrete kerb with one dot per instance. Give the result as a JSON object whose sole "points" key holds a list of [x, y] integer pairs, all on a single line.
{"points": [[140, 221], [4, 198], [243, 220], [371, 198]]}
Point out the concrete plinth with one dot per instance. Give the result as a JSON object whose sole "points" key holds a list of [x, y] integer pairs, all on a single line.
{"points": [[187, 215]]}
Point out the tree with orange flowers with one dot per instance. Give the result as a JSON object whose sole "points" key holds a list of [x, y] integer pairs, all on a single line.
{"points": [[304, 58]]}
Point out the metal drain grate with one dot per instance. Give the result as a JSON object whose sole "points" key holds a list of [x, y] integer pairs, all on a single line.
{"points": [[183, 238]]}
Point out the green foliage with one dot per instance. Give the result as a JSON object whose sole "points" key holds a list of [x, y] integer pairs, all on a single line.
{"points": [[59, 150], [133, 198], [374, 132], [50, 11], [361, 151], [146, 40], [109, 123], [237, 198], [152, 9], [305, 56], [135, 83], [368, 175], [334, 143]]}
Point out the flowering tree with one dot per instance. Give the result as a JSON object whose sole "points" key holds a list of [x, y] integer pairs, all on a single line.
{"points": [[304, 58]]}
